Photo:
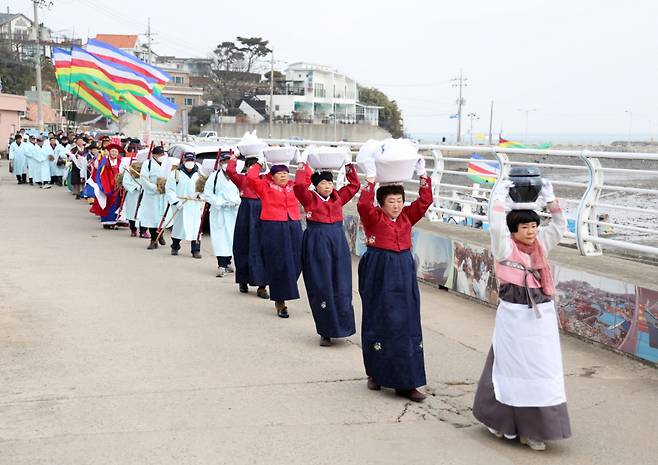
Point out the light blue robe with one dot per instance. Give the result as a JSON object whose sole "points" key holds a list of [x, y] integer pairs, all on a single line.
{"points": [[132, 195], [42, 164], [17, 155], [187, 212], [59, 152], [224, 199], [153, 203], [30, 163]]}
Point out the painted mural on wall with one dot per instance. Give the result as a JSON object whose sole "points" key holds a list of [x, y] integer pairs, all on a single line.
{"points": [[595, 307], [474, 272], [433, 256], [642, 340]]}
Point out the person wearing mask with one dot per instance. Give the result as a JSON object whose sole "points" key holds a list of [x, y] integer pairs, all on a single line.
{"points": [[521, 391], [184, 200], [391, 334], [326, 257], [151, 208], [249, 266], [17, 159], [224, 199], [280, 232]]}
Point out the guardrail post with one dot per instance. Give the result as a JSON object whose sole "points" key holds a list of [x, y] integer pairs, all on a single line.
{"points": [[437, 174], [587, 210], [503, 171]]}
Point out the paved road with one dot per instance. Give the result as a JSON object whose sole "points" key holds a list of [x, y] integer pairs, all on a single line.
{"points": [[111, 354]]}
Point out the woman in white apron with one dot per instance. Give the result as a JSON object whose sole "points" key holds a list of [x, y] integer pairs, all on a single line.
{"points": [[521, 390]]}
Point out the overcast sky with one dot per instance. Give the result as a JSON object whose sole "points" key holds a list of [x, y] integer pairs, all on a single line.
{"points": [[579, 63]]}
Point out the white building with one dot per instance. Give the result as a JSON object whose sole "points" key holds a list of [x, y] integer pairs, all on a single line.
{"points": [[319, 94]]}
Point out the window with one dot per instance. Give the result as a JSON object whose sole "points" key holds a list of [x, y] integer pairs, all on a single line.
{"points": [[171, 99], [189, 102], [178, 80], [276, 107], [319, 90]]}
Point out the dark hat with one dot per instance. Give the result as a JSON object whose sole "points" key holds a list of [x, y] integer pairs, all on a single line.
{"points": [[278, 168], [32, 136], [319, 176], [135, 141], [224, 156], [93, 145], [157, 150], [105, 138], [189, 156]]}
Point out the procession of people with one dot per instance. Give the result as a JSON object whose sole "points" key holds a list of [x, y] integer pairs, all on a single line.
{"points": [[252, 208]]}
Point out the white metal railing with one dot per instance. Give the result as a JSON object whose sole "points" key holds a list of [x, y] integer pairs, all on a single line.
{"points": [[589, 212]]}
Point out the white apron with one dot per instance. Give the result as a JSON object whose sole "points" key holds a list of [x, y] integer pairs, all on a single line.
{"points": [[527, 369]]}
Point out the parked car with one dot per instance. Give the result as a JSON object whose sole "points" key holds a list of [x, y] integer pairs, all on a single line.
{"points": [[208, 135], [203, 150]]}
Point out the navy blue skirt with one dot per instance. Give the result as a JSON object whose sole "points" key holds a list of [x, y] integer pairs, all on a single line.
{"points": [[249, 267], [391, 334], [327, 269], [281, 243]]}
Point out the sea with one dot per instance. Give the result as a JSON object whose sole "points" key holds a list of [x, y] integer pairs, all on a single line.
{"points": [[535, 138]]}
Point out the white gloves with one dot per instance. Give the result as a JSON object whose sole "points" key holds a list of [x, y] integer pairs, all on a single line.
{"points": [[501, 191], [420, 167], [547, 191], [303, 157]]}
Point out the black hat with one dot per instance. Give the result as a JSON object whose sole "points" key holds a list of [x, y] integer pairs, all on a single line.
{"points": [[319, 176], [93, 145], [224, 156], [158, 150]]}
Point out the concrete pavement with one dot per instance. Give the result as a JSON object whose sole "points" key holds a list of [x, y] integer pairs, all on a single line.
{"points": [[112, 354]]}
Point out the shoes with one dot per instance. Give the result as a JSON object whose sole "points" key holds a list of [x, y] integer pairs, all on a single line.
{"points": [[531, 443], [372, 385], [413, 395], [230, 268], [133, 233], [174, 251], [325, 341], [281, 309], [161, 240], [221, 271], [243, 288], [496, 433], [152, 245], [262, 293], [196, 255], [145, 235]]}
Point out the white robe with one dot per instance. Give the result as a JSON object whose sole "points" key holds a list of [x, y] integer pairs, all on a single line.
{"points": [[224, 199], [187, 212], [17, 155], [132, 195], [30, 162], [58, 152], [42, 164], [153, 203]]}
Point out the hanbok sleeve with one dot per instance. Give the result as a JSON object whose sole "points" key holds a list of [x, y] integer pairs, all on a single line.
{"points": [[213, 199], [418, 207], [367, 211], [302, 182], [501, 240], [253, 178], [144, 175], [552, 234], [233, 174], [346, 193], [170, 188]]}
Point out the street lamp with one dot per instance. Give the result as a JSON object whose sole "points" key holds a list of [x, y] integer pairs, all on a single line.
{"points": [[527, 111], [471, 117], [630, 125]]}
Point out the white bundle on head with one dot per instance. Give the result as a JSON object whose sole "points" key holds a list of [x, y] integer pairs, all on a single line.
{"points": [[326, 158], [280, 155], [368, 153], [250, 145], [395, 160]]}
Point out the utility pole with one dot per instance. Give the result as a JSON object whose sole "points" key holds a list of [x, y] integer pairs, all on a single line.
{"points": [[461, 83], [527, 111], [491, 124], [37, 65], [271, 93], [630, 125]]}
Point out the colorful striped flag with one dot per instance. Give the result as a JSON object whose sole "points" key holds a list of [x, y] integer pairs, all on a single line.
{"points": [[483, 171], [86, 67], [115, 55]]}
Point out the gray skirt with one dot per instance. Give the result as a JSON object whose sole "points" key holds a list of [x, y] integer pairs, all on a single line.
{"points": [[539, 423]]}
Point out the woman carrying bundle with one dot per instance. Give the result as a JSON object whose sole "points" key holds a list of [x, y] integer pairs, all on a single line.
{"points": [[280, 232], [326, 257], [224, 198], [392, 340], [521, 390]]}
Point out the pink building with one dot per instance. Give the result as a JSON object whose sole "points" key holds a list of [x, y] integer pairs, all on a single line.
{"points": [[11, 108]]}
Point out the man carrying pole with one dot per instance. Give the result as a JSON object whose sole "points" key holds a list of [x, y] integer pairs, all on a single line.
{"points": [[152, 206]]}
